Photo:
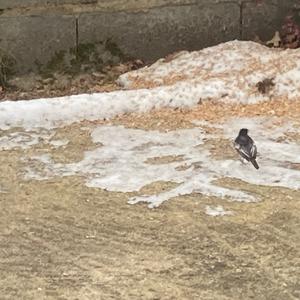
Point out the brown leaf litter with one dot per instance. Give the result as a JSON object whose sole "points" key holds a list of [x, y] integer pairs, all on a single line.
{"points": [[210, 111]]}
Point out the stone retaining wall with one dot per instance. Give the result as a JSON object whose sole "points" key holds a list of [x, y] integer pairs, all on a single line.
{"points": [[40, 33]]}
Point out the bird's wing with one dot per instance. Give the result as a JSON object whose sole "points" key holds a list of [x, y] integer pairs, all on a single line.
{"points": [[242, 150], [245, 153], [253, 151]]}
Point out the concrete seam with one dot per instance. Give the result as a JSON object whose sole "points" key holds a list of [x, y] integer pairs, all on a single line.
{"points": [[241, 23]]}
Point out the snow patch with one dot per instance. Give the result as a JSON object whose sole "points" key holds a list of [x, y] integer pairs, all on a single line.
{"points": [[122, 163], [227, 72], [59, 143], [29, 138], [217, 211], [24, 140]]}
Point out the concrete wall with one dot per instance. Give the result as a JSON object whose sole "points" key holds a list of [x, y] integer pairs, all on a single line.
{"points": [[4, 4], [36, 31]]}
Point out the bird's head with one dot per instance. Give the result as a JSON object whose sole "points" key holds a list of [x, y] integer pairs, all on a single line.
{"points": [[243, 131]]}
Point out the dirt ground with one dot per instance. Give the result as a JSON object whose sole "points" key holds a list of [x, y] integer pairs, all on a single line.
{"points": [[63, 240]]}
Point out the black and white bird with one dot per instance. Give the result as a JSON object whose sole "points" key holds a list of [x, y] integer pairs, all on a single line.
{"points": [[246, 147]]}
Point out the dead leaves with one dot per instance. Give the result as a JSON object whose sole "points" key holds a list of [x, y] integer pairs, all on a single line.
{"points": [[265, 85], [290, 33], [59, 84]]}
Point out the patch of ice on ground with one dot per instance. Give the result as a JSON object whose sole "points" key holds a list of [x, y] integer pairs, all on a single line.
{"points": [[122, 162], [229, 71], [217, 211], [59, 143], [24, 139], [29, 138]]}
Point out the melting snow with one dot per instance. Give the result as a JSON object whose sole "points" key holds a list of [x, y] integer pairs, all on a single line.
{"points": [[217, 211], [122, 163], [24, 140], [229, 71], [59, 143]]}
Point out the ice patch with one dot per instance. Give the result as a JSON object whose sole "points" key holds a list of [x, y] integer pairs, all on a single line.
{"points": [[29, 138], [217, 211], [122, 162], [24, 139], [58, 143]]}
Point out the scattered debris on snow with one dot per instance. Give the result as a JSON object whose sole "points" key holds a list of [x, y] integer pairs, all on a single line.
{"points": [[227, 72], [24, 140]]}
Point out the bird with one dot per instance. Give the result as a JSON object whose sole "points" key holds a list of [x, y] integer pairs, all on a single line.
{"points": [[246, 147]]}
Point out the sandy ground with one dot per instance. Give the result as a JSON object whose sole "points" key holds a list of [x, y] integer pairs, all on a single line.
{"points": [[63, 240]]}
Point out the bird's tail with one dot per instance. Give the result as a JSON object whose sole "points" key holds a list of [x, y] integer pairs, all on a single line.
{"points": [[254, 163]]}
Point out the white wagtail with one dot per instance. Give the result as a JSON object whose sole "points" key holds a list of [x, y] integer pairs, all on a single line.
{"points": [[246, 147]]}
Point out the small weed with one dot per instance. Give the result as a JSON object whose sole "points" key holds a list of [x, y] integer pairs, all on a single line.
{"points": [[7, 64]]}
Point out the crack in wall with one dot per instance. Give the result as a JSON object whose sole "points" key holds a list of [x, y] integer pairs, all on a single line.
{"points": [[241, 21]]}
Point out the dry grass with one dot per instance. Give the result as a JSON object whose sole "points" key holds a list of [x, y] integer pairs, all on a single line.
{"points": [[210, 111]]}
